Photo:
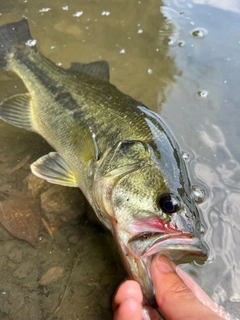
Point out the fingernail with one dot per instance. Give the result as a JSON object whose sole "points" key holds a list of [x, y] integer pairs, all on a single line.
{"points": [[164, 265]]}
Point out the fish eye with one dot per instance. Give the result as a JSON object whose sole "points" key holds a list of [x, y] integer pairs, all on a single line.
{"points": [[169, 203]]}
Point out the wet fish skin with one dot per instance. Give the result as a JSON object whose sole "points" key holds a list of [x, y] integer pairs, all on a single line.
{"points": [[116, 150]]}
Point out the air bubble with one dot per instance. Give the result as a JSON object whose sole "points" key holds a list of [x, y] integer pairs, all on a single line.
{"points": [[181, 43], [149, 71], [31, 43], [199, 194], [199, 32], [78, 14], [185, 156], [202, 93], [105, 13], [202, 229], [44, 10], [170, 42]]}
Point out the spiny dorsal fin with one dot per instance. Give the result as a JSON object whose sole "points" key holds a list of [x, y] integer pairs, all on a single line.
{"points": [[97, 69], [17, 111], [54, 169]]}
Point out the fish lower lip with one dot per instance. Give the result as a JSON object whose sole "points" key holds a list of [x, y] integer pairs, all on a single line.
{"points": [[147, 244]]}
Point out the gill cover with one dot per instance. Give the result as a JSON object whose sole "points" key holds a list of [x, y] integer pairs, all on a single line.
{"points": [[124, 157]]}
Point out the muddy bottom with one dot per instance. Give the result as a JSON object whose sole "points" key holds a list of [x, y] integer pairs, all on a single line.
{"points": [[67, 266]]}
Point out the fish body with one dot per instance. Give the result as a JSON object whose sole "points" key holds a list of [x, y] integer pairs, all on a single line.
{"points": [[116, 150]]}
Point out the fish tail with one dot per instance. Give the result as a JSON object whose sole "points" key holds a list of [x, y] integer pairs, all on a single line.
{"points": [[12, 35]]}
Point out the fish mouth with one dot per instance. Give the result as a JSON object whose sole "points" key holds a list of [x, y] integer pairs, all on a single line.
{"points": [[174, 245]]}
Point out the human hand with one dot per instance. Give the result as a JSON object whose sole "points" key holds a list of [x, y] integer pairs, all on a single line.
{"points": [[177, 296]]}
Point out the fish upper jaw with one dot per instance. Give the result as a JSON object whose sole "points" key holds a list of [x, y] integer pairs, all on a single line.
{"points": [[149, 224]]}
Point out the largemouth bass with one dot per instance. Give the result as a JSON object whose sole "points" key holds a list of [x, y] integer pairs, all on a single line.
{"points": [[116, 150]]}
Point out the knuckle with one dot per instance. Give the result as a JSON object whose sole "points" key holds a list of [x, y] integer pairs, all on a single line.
{"points": [[179, 290]]}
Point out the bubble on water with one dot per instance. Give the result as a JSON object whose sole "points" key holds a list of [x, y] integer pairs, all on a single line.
{"points": [[105, 13], [181, 43], [78, 14], [199, 194], [170, 41], [202, 229], [149, 71], [65, 8], [140, 30], [199, 32], [123, 51], [44, 9], [31, 43], [202, 93], [185, 156]]}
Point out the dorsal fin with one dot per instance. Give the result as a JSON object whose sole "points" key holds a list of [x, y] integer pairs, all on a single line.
{"points": [[97, 69]]}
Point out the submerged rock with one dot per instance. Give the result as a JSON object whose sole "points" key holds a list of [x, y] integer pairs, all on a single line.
{"points": [[36, 185], [62, 204]]}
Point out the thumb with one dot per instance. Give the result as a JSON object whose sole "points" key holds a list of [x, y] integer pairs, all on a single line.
{"points": [[174, 298]]}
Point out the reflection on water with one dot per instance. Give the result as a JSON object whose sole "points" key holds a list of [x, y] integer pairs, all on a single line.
{"points": [[179, 59], [206, 124], [223, 216]]}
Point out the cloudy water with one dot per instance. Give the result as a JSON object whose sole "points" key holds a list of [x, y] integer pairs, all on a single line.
{"points": [[181, 59]]}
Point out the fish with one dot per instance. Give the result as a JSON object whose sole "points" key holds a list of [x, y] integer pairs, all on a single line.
{"points": [[115, 149]]}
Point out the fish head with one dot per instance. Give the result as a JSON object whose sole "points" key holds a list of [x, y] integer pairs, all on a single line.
{"points": [[149, 207]]}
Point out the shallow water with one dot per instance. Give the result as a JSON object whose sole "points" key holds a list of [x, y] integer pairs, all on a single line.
{"points": [[180, 58]]}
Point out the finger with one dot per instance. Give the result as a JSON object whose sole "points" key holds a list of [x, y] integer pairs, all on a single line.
{"points": [[173, 296], [151, 313], [129, 299], [130, 308], [128, 289]]}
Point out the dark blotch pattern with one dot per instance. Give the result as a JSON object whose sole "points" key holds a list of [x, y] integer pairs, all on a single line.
{"points": [[64, 99]]}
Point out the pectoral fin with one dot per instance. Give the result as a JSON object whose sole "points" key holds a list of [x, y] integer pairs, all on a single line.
{"points": [[17, 111], [54, 169]]}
